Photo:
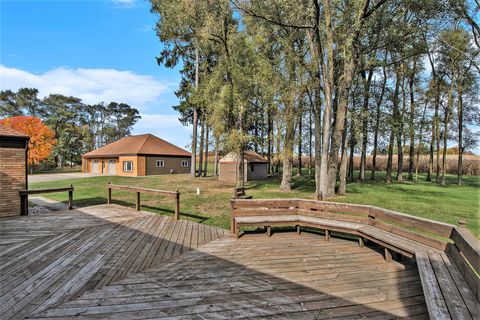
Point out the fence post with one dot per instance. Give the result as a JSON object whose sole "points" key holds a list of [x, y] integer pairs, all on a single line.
{"points": [[138, 201], [232, 221], [23, 204], [70, 198], [109, 198], [177, 205]]}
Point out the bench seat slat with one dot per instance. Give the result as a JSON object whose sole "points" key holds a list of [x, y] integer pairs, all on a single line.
{"points": [[392, 239], [455, 304], [330, 223], [433, 294]]}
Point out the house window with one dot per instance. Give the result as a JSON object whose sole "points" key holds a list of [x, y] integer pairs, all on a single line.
{"points": [[160, 163], [252, 167], [128, 166], [184, 163]]}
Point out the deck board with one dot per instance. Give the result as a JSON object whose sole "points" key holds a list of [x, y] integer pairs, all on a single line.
{"points": [[286, 276]]}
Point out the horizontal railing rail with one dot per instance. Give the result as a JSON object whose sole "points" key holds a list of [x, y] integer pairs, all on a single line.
{"points": [[138, 190], [25, 193]]}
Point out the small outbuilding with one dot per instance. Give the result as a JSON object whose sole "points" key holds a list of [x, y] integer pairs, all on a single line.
{"points": [[255, 167], [140, 155], [13, 170]]}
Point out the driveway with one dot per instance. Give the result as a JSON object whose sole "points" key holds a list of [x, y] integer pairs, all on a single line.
{"points": [[57, 176]]}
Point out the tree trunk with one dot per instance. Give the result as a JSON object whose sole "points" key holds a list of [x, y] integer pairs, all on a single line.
{"points": [[346, 78], [445, 132], [318, 142], [269, 140], [460, 132], [390, 156], [289, 124], [288, 151], [241, 162], [277, 146], [193, 160], [215, 165], [205, 166], [288, 147], [328, 72], [202, 141], [310, 141], [411, 151], [420, 137], [352, 143], [366, 97], [300, 122], [377, 123], [395, 127], [342, 186], [400, 132]]}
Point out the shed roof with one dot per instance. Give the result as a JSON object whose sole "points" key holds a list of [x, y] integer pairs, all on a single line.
{"points": [[250, 157], [9, 132], [145, 144]]}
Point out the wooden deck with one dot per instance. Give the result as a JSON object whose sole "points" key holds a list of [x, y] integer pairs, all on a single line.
{"points": [[50, 259], [113, 262], [286, 277]]}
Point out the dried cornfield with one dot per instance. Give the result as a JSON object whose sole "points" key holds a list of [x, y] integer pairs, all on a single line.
{"points": [[471, 163]]}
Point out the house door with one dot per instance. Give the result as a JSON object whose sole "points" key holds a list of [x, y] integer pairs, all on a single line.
{"points": [[112, 167], [95, 166]]}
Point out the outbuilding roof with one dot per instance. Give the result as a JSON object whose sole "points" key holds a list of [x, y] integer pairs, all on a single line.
{"points": [[12, 133], [144, 144], [250, 157]]}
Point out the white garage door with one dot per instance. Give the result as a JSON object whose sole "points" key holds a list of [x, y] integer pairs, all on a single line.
{"points": [[112, 167], [95, 167]]}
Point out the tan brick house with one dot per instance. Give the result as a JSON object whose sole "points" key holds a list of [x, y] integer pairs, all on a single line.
{"points": [[13, 170], [139, 155], [255, 167]]}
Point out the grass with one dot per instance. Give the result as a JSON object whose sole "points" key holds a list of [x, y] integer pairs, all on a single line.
{"points": [[425, 199]]}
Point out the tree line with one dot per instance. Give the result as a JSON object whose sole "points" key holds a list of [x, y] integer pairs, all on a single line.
{"points": [[327, 78], [78, 127]]}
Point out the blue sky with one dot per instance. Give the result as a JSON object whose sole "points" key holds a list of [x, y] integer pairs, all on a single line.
{"points": [[98, 50]]}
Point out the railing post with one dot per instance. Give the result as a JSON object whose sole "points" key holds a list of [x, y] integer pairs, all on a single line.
{"points": [[177, 205], [232, 222], [138, 201], [23, 204], [109, 198], [70, 198]]}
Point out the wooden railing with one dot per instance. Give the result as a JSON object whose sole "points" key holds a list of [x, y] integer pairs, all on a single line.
{"points": [[24, 197], [456, 240], [138, 191]]}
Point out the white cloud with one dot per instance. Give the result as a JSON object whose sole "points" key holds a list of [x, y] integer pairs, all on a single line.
{"points": [[124, 3], [91, 85]]}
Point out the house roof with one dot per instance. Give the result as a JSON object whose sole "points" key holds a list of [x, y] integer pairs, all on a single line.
{"points": [[145, 144], [250, 157], [9, 132]]}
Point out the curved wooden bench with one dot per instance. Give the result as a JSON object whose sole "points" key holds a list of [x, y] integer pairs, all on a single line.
{"points": [[448, 267]]}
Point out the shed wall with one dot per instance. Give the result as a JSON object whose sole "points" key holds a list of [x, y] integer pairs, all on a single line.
{"points": [[12, 178]]}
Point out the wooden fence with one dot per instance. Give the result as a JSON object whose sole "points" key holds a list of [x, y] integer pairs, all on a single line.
{"points": [[138, 191], [24, 197]]}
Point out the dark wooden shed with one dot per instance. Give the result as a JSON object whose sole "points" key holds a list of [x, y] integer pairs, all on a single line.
{"points": [[13, 170]]}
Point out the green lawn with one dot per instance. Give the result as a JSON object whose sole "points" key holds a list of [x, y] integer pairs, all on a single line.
{"points": [[424, 199]]}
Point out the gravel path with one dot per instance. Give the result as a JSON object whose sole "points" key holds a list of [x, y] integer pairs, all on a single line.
{"points": [[57, 176]]}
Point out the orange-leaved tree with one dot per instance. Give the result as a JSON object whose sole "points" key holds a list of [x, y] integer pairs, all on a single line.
{"points": [[42, 139]]}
